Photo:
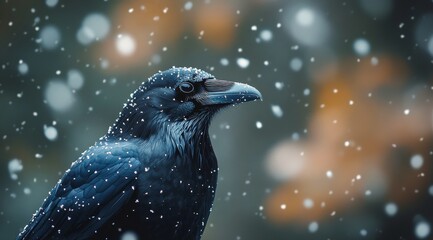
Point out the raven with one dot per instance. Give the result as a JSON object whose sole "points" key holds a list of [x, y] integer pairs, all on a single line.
{"points": [[154, 174]]}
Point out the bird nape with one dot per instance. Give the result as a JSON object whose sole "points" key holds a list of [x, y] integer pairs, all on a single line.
{"points": [[154, 174]]}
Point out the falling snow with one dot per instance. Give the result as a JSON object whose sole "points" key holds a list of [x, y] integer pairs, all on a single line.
{"points": [[129, 236], [95, 27], [266, 35], [23, 68], [391, 209], [361, 47], [243, 62], [125, 44], [422, 230], [50, 132], [27, 191], [59, 96], [308, 203], [75, 79], [416, 161], [224, 61], [305, 17], [277, 111], [188, 5], [296, 64], [51, 3], [279, 85], [15, 166], [313, 227], [374, 61], [50, 37]]}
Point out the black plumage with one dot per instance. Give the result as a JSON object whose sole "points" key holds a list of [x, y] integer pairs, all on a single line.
{"points": [[153, 174]]}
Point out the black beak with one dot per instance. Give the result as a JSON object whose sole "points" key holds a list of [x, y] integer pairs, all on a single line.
{"points": [[221, 92]]}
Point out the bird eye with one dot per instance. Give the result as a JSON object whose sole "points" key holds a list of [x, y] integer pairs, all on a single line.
{"points": [[186, 87]]}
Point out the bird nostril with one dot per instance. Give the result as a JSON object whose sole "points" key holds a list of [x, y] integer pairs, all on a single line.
{"points": [[215, 85]]}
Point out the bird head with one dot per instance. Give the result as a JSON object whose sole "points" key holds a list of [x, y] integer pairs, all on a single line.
{"points": [[180, 95]]}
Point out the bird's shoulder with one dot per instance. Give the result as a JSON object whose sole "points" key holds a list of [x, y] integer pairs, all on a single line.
{"points": [[108, 149], [102, 161]]}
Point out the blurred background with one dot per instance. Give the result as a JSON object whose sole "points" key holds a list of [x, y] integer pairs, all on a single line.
{"points": [[340, 148]]}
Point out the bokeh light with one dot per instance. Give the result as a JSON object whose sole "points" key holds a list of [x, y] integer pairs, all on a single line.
{"points": [[51, 3], [125, 44], [75, 79], [307, 26], [59, 96], [50, 37], [95, 27], [361, 47]]}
